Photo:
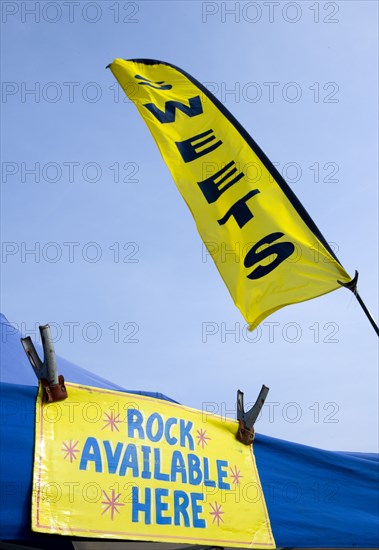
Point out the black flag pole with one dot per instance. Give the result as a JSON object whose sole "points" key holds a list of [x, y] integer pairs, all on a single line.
{"points": [[352, 285], [368, 314]]}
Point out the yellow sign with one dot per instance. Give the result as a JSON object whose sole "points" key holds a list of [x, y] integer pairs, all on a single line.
{"points": [[117, 465], [266, 247]]}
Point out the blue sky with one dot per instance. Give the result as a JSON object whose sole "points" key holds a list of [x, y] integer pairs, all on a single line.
{"points": [[118, 268]]}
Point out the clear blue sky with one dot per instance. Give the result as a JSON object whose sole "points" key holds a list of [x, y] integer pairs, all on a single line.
{"points": [[116, 253]]}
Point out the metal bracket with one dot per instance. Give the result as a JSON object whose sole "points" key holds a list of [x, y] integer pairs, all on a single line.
{"points": [[247, 419], [46, 370], [351, 285]]}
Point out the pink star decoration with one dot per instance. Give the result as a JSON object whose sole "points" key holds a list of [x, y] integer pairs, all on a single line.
{"points": [[202, 437], [70, 450], [216, 513], [111, 420], [235, 475], [111, 503]]}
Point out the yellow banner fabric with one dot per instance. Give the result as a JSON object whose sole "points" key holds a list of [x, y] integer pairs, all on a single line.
{"points": [[266, 247], [116, 465]]}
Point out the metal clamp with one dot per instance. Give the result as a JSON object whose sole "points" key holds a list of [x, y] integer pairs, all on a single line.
{"points": [[351, 285], [246, 420], [46, 370]]}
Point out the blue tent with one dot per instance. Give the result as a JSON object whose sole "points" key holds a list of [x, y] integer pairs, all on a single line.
{"points": [[315, 498]]}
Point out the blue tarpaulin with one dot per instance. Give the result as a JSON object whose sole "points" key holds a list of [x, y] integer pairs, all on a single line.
{"points": [[315, 498]]}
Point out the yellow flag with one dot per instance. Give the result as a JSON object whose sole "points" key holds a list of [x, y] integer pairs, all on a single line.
{"points": [[116, 465], [266, 247]]}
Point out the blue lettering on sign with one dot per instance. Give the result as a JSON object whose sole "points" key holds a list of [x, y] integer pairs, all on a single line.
{"points": [[113, 458], [185, 433], [197, 509], [146, 451], [221, 464], [140, 507], [161, 507], [91, 453], [135, 420], [178, 467], [153, 503], [181, 503], [194, 471], [157, 419], [157, 467], [146, 462], [170, 440], [207, 482], [155, 428], [129, 460]]}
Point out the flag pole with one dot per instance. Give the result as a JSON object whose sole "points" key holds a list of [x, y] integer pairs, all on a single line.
{"points": [[368, 314], [352, 285]]}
